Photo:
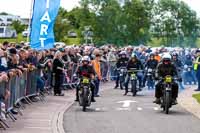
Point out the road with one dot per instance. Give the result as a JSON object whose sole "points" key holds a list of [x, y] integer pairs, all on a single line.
{"points": [[110, 115]]}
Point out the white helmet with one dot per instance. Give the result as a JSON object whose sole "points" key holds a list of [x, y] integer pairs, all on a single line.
{"points": [[85, 58], [122, 53], [166, 56], [133, 55]]}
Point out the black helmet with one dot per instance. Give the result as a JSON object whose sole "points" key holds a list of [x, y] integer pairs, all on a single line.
{"points": [[152, 54], [175, 54]]}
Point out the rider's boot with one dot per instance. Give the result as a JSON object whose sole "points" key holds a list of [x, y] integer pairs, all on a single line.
{"points": [[157, 101], [174, 101]]}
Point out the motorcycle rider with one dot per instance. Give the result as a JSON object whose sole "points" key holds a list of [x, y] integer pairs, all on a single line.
{"points": [[121, 62], [86, 70], [134, 63], [166, 67], [150, 64]]}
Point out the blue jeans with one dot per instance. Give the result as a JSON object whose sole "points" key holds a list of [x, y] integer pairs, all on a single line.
{"points": [[150, 83], [96, 90], [40, 84], [140, 76], [113, 74], [180, 84], [189, 77], [104, 70]]}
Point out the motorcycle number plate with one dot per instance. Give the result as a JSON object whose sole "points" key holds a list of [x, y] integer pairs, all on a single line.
{"points": [[133, 75], [168, 89], [85, 81], [168, 79], [150, 70]]}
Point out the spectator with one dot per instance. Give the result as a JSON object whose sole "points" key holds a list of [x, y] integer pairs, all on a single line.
{"points": [[197, 68], [97, 68], [58, 73]]}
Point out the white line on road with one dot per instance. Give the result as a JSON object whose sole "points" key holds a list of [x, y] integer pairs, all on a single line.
{"points": [[97, 109], [156, 108], [127, 103], [139, 109], [123, 109]]}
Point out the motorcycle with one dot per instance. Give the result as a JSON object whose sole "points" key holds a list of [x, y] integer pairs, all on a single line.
{"points": [[166, 99], [85, 93], [133, 78], [122, 75]]}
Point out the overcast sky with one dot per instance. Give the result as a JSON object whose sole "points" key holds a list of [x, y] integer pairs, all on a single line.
{"points": [[22, 7]]}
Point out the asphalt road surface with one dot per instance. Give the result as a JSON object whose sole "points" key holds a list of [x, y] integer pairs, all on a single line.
{"points": [[115, 113]]}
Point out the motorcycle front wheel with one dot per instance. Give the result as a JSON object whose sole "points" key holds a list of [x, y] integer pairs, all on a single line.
{"points": [[84, 100], [167, 102]]}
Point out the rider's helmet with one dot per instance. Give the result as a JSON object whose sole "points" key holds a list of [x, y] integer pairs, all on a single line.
{"points": [[122, 54], [166, 58], [175, 54], [85, 60], [152, 55], [133, 55]]}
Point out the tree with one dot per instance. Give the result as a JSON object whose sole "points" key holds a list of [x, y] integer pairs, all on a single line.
{"points": [[3, 13], [18, 26], [62, 25], [175, 23], [125, 22]]}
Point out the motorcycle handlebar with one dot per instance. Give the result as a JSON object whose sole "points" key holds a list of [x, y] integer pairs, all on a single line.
{"points": [[134, 70]]}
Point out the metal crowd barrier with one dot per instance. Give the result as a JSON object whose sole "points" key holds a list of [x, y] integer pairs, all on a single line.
{"points": [[25, 86], [69, 81], [21, 88]]}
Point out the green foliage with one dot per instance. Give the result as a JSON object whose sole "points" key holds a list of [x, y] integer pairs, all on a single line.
{"points": [[175, 22], [17, 40], [18, 26], [160, 22], [62, 25], [72, 41], [197, 97], [3, 13]]}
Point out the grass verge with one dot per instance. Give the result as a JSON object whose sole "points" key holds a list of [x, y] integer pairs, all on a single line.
{"points": [[197, 97]]}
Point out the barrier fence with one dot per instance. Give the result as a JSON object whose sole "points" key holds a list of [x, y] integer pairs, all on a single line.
{"points": [[13, 92], [19, 90]]}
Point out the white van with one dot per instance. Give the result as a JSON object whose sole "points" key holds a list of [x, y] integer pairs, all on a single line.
{"points": [[7, 32], [26, 33]]}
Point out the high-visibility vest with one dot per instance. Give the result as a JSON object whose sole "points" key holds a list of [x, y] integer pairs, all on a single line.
{"points": [[196, 65]]}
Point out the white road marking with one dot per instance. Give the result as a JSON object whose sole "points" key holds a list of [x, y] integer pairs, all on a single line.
{"points": [[97, 109], [127, 103], [139, 108], [156, 108], [123, 109]]}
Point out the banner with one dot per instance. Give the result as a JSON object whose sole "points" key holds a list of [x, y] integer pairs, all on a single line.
{"points": [[42, 23]]}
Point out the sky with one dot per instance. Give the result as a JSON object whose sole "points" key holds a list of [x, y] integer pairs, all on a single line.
{"points": [[23, 7]]}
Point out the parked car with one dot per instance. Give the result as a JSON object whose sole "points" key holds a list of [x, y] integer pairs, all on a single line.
{"points": [[26, 33], [7, 32], [59, 44]]}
